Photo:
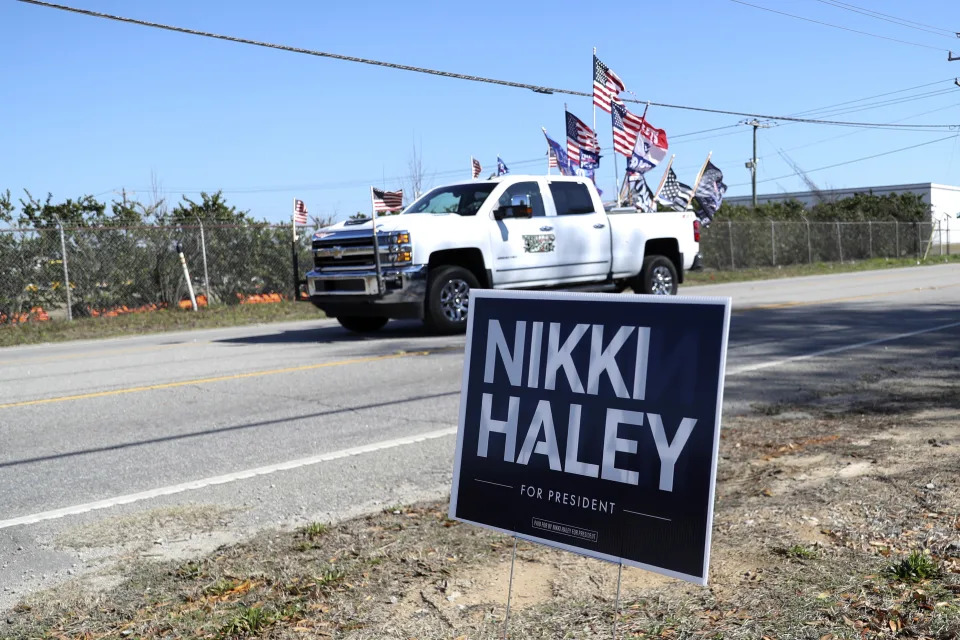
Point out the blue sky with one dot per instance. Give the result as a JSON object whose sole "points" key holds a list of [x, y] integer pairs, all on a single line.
{"points": [[90, 106]]}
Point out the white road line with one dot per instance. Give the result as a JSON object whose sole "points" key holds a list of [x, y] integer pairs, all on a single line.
{"points": [[225, 478], [816, 354], [377, 446]]}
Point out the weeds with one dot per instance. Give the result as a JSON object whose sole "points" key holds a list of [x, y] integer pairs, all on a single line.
{"points": [[916, 567], [330, 576], [314, 530], [800, 552], [247, 621], [189, 570], [221, 586]]}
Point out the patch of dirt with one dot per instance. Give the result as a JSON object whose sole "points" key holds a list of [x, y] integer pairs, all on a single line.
{"points": [[171, 526], [818, 510]]}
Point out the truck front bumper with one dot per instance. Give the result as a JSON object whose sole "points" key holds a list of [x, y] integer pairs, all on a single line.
{"points": [[355, 293]]}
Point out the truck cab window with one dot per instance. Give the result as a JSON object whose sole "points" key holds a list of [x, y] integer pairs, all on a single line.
{"points": [[571, 198], [523, 193], [464, 200]]}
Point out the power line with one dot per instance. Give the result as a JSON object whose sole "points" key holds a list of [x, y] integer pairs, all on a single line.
{"points": [[460, 76], [825, 24], [879, 95], [853, 133], [891, 102], [841, 164], [903, 22], [515, 163]]}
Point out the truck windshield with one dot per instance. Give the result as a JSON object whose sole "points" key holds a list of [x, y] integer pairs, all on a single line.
{"points": [[462, 199]]}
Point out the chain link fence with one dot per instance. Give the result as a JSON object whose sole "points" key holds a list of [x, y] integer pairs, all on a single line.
{"points": [[110, 269], [743, 244]]}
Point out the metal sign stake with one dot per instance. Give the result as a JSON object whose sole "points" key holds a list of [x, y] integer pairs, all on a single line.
{"points": [[506, 619], [616, 608]]}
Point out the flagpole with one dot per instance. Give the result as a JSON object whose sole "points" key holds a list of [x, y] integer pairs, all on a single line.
{"points": [[294, 258], [616, 171], [594, 71], [549, 150], [376, 242], [699, 178], [700, 175], [663, 178]]}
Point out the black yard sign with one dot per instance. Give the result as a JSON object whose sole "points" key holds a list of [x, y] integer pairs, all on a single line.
{"points": [[590, 422]]}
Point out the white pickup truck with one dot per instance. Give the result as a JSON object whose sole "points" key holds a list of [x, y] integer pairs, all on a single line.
{"points": [[512, 232]]}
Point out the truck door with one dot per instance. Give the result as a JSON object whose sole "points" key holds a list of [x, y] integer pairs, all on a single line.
{"points": [[524, 249], [583, 233]]}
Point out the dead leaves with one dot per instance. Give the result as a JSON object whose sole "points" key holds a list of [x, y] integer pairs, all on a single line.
{"points": [[794, 447]]}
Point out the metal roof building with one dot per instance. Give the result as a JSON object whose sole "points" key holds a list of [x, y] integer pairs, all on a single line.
{"points": [[944, 200]]}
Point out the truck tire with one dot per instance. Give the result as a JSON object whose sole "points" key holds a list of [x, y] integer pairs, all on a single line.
{"points": [[448, 299], [361, 324], [658, 277]]}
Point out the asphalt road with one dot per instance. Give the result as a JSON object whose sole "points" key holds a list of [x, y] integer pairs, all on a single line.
{"points": [[279, 425]]}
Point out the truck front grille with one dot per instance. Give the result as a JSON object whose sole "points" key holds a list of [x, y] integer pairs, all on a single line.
{"points": [[347, 253]]}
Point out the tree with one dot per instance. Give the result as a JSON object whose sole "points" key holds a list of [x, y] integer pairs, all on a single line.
{"points": [[6, 207], [211, 208], [84, 212]]}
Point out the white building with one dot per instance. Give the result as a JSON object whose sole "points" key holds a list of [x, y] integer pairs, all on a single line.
{"points": [[944, 200]]}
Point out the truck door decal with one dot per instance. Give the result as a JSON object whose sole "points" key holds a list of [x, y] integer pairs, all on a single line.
{"points": [[541, 243]]}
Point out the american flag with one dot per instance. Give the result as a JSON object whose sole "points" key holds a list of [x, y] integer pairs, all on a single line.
{"points": [[674, 193], [626, 128], [475, 166], [299, 212], [579, 136], [606, 85], [387, 201], [552, 160]]}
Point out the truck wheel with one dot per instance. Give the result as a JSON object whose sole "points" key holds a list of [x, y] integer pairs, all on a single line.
{"points": [[448, 299], [658, 277], [362, 324]]}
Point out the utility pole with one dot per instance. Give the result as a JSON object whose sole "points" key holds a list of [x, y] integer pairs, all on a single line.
{"points": [[950, 56], [752, 164]]}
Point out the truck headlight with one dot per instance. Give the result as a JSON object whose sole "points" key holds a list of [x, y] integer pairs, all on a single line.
{"points": [[400, 249]]}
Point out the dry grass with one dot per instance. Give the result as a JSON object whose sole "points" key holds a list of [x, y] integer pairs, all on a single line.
{"points": [[714, 276], [844, 523], [155, 322]]}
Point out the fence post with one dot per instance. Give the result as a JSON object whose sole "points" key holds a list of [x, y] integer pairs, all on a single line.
{"points": [[206, 276], [66, 271], [917, 225], [870, 235], [773, 243], [839, 242], [896, 232], [733, 264], [809, 246]]}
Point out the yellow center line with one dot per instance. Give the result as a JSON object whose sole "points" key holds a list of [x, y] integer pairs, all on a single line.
{"points": [[787, 305], [236, 376], [102, 352]]}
